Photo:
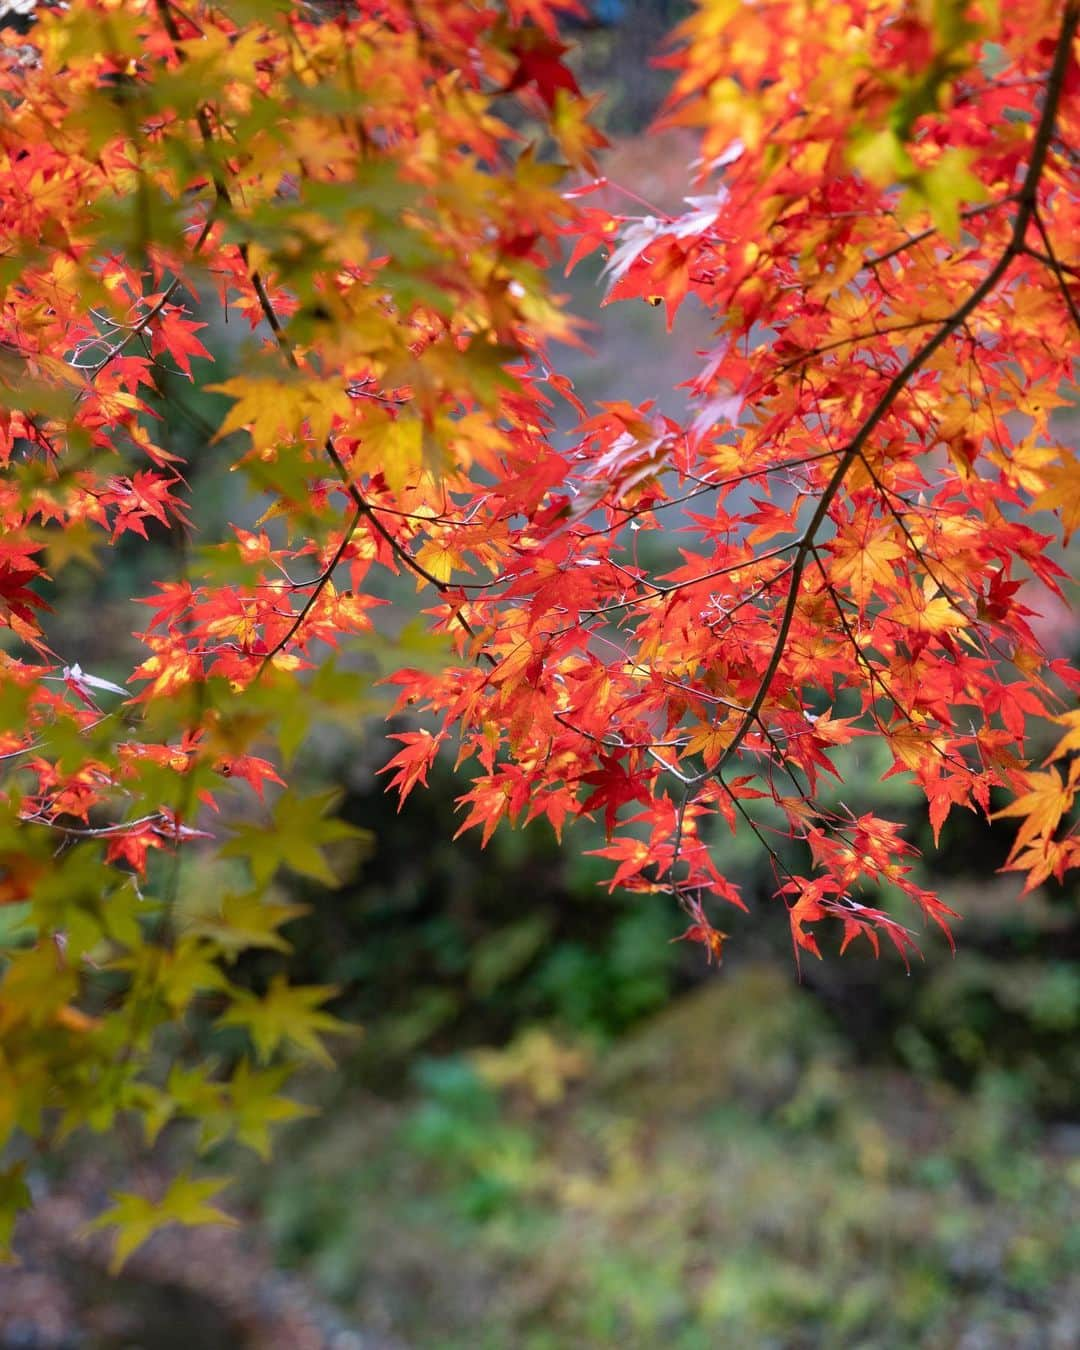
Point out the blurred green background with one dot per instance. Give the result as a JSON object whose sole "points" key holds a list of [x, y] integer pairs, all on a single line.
{"points": [[560, 1129]]}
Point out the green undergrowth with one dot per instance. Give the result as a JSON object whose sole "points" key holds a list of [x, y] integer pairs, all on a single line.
{"points": [[730, 1173]]}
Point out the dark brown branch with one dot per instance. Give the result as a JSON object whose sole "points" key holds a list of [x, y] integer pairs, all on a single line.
{"points": [[856, 339], [154, 819], [1027, 198]]}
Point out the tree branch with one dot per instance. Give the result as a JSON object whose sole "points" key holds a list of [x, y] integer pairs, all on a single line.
{"points": [[1026, 211]]}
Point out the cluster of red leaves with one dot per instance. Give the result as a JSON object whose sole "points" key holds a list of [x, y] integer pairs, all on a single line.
{"points": [[883, 228], [882, 225], [347, 175]]}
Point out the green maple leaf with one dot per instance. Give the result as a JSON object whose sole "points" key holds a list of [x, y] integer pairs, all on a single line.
{"points": [[137, 1218], [294, 839], [256, 1104], [246, 921], [286, 1013]]}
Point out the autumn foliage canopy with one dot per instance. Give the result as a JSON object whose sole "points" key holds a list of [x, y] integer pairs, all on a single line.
{"points": [[370, 200]]}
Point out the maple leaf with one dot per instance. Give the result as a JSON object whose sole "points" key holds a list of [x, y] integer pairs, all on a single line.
{"points": [[132, 847], [709, 740], [489, 802], [942, 187], [253, 769], [538, 63], [287, 1013], [174, 333], [17, 570], [256, 1104], [632, 856], [926, 612], [278, 408], [136, 1218], [807, 908], [614, 785], [1041, 809], [866, 564], [1043, 859], [634, 238], [300, 830], [412, 764], [712, 939], [943, 792], [592, 229], [572, 128], [1071, 740], [543, 12], [1061, 492]]}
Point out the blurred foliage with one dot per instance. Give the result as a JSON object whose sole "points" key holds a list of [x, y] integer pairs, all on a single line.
{"points": [[726, 1175]]}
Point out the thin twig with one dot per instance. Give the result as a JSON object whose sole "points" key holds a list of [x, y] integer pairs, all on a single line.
{"points": [[914, 239], [317, 587], [1058, 268]]}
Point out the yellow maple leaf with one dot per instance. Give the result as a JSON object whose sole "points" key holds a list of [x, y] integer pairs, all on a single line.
{"points": [[1041, 809], [438, 558], [926, 611], [710, 740], [272, 409], [865, 563], [1062, 492], [1071, 739], [393, 447]]}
